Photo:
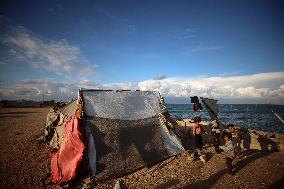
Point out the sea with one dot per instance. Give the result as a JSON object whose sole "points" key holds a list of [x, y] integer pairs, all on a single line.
{"points": [[250, 116]]}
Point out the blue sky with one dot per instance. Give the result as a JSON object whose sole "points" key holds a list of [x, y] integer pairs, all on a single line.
{"points": [[175, 47]]}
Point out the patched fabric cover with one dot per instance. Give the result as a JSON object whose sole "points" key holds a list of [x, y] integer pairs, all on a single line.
{"points": [[123, 146], [124, 105], [65, 161], [127, 131]]}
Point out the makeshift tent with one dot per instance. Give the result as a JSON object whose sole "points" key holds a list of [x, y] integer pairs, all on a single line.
{"points": [[122, 131]]}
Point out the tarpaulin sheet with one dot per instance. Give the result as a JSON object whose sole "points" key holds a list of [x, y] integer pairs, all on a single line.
{"points": [[124, 105], [127, 131], [212, 107], [69, 109], [123, 146], [55, 123], [65, 161]]}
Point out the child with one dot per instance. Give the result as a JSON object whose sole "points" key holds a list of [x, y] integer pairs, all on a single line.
{"points": [[231, 129], [235, 138], [197, 131], [230, 151], [215, 132]]}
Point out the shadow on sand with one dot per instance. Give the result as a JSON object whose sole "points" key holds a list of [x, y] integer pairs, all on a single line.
{"points": [[277, 185], [253, 155], [168, 184], [267, 147]]}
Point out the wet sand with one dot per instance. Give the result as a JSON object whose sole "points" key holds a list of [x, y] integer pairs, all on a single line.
{"points": [[24, 162]]}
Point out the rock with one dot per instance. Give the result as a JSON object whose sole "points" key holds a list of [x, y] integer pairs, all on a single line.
{"points": [[203, 158], [117, 185]]}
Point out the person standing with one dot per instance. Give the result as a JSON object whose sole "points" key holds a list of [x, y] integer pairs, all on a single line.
{"points": [[215, 133], [197, 131], [230, 151], [235, 139]]}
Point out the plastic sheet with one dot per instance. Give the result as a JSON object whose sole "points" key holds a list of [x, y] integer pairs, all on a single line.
{"points": [[124, 105], [65, 161], [92, 154], [128, 130]]}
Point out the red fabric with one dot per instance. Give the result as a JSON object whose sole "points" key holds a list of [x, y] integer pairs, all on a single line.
{"points": [[65, 161], [195, 107]]}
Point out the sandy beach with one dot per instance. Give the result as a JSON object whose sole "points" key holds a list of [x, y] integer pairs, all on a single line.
{"points": [[24, 162]]}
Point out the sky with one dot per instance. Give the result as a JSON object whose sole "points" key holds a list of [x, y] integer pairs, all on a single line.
{"points": [[232, 51]]}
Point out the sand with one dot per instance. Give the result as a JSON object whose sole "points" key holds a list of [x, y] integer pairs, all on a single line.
{"points": [[24, 162], [23, 159]]}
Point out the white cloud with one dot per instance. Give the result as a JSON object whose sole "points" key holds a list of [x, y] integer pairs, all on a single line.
{"points": [[2, 63], [34, 90], [201, 48], [57, 56], [249, 86], [261, 88]]}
